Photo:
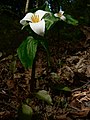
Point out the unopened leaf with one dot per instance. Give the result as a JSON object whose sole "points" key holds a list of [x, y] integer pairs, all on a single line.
{"points": [[25, 112], [43, 95], [26, 109]]}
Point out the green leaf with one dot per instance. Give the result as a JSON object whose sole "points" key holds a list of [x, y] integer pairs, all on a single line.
{"points": [[44, 43], [27, 51], [43, 95], [67, 89], [71, 20], [61, 87], [25, 112], [47, 7], [49, 20]]}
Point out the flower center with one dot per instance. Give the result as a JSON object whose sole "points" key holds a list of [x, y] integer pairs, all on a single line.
{"points": [[35, 18], [59, 14]]}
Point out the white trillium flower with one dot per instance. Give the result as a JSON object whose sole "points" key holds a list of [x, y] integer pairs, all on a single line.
{"points": [[60, 15], [35, 21]]}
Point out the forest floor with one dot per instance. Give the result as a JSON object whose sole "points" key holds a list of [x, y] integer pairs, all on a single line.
{"points": [[67, 81]]}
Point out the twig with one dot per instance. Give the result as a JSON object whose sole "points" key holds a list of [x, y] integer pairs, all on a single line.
{"points": [[81, 87], [74, 108], [79, 63], [27, 6]]}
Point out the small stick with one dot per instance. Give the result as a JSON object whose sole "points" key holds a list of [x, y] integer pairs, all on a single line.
{"points": [[81, 87], [27, 6]]}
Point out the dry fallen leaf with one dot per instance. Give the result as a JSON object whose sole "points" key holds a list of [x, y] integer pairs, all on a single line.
{"points": [[88, 71], [10, 84]]}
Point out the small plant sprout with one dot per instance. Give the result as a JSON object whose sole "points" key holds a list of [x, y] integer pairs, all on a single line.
{"points": [[36, 21], [60, 14]]}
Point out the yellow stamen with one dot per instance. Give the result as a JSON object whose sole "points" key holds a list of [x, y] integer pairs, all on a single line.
{"points": [[59, 14], [35, 18]]}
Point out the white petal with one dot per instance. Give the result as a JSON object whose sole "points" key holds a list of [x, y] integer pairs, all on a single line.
{"points": [[61, 12], [56, 15], [41, 13], [38, 28], [63, 18], [26, 18], [23, 22]]}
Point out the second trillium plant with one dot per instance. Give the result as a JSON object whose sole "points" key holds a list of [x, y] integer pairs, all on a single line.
{"points": [[60, 15]]}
